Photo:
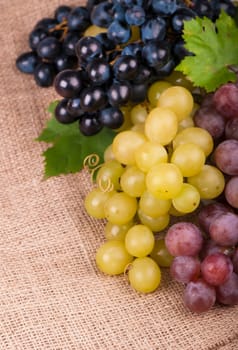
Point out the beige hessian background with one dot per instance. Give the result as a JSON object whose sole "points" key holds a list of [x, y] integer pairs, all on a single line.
{"points": [[51, 294]]}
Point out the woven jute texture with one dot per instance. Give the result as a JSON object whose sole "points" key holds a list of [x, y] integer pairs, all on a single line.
{"points": [[52, 296]]}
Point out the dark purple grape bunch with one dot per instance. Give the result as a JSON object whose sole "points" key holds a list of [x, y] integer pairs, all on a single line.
{"points": [[206, 257], [103, 83], [52, 41], [91, 93], [112, 69], [95, 76], [52, 44]]}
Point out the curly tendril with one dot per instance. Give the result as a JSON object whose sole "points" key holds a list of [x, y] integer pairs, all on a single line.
{"points": [[91, 164]]}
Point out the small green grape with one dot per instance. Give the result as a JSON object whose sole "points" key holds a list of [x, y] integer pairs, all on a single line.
{"points": [[155, 90], [187, 200], [177, 99], [144, 275], [125, 144], [156, 224], [118, 232], [161, 254], [133, 181], [94, 202], [112, 257], [209, 182], [120, 208], [161, 125], [189, 157], [164, 180], [139, 241]]}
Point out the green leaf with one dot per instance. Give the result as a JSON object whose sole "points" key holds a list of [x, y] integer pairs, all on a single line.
{"points": [[215, 50], [69, 147]]}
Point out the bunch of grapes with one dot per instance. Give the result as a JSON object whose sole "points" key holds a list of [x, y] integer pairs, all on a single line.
{"points": [[152, 171], [210, 269], [52, 44], [107, 53], [206, 257], [112, 64]]}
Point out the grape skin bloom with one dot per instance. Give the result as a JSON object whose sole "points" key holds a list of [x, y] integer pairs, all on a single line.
{"points": [[199, 296], [184, 238]]}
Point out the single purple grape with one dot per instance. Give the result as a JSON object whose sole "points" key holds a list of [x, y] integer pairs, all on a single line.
{"points": [[184, 238], [227, 293], [216, 269], [224, 229], [199, 296], [185, 268]]}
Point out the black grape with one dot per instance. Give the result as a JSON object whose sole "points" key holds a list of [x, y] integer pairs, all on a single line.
{"points": [[62, 114], [44, 74], [62, 13], [49, 48], [93, 98], [27, 62], [111, 117], [89, 125], [68, 83], [36, 36]]}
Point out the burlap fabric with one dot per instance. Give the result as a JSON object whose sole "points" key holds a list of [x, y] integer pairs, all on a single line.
{"points": [[51, 294]]}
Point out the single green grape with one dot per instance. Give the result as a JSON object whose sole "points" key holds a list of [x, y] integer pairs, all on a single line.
{"points": [[139, 241], [149, 154], [112, 257], [94, 202], [152, 206], [127, 124], [179, 100], [160, 253], [196, 135], [144, 275], [155, 90], [164, 180], [185, 123], [108, 154], [155, 224], [118, 232], [133, 181], [209, 182], [161, 125], [187, 200], [109, 174], [125, 144], [139, 113], [189, 158], [120, 208]]}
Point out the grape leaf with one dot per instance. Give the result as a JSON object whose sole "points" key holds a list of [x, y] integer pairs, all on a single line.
{"points": [[215, 50], [69, 147]]}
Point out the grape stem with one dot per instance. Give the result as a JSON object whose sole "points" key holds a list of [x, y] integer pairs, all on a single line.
{"points": [[126, 270], [188, 3], [105, 186], [61, 26]]}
